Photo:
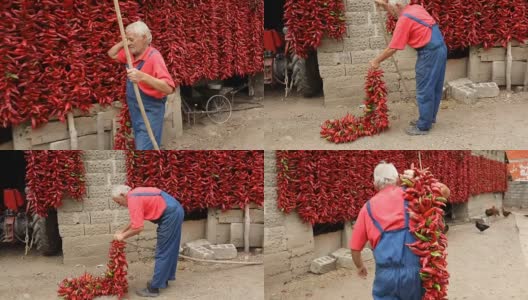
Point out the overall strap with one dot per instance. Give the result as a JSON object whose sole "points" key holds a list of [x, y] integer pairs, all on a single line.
{"points": [[372, 218], [418, 20], [406, 212], [146, 194]]}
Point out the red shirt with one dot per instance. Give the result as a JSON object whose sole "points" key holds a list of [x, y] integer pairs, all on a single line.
{"points": [[144, 207], [387, 208], [410, 32], [153, 66]]}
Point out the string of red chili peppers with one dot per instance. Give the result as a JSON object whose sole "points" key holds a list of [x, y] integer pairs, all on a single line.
{"points": [[374, 120], [51, 175], [87, 286]]}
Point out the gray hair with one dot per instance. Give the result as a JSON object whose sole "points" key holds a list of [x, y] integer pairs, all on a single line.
{"points": [[119, 190], [402, 2], [140, 27], [385, 174]]}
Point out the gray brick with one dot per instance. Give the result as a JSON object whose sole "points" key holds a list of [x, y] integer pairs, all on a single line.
{"points": [[201, 253], [357, 18], [101, 217], [359, 5], [356, 44], [333, 71], [393, 86], [96, 179], [71, 205], [120, 166], [96, 204], [98, 166], [323, 265], [99, 191], [119, 154], [224, 251], [388, 66], [71, 230], [256, 216], [363, 57], [330, 45], [95, 229], [356, 70], [486, 89], [97, 154], [464, 94], [231, 216], [360, 31], [73, 218], [377, 42], [118, 178], [333, 59], [276, 263]]}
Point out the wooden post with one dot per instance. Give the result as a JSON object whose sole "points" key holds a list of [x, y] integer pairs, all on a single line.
{"points": [[526, 77], [508, 67], [130, 65], [100, 131], [251, 86], [114, 132], [74, 145], [247, 225]]}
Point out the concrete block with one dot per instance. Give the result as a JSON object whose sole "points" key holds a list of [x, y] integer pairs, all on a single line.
{"points": [[230, 216], [224, 251], [120, 166], [98, 154], [87, 142], [363, 57], [486, 89], [333, 59], [274, 239], [394, 97], [118, 178], [71, 205], [86, 246], [357, 18], [96, 204], [464, 94], [96, 179], [223, 233], [71, 230], [343, 258], [359, 31], [498, 72], [98, 166], [356, 43], [197, 243], [256, 235], [96, 229], [102, 217], [360, 6], [346, 234], [301, 264], [330, 45], [193, 230], [377, 42], [356, 70], [276, 263], [73, 218], [200, 253], [388, 66], [212, 222], [332, 71], [99, 191], [323, 265], [119, 155], [117, 226], [256, 216]]}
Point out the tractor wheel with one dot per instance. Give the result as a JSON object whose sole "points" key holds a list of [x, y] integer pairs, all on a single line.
{"points": [[46, 236], [306, 75]]}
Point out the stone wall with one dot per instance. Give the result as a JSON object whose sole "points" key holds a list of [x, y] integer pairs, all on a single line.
{"points": [[517, 195], [227, 227], [489, 65]]}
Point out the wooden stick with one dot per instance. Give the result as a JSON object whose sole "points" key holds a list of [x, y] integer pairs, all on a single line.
{"points": [[130, 65], [247, 226], [526, 77], [73, 132], [508, 67], [100, 131]]}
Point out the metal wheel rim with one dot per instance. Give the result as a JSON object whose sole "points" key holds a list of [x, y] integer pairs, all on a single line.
{"points": [[218, 109]]}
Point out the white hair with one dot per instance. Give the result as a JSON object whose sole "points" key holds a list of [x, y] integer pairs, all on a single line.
{"points": [[402, 2], [119, 190], [385, 174], [140, 27]]}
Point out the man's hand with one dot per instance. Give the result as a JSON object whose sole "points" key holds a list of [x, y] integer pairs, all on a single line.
{"points": [[119, 237], [362, 272], [374, 64], [135, 75]]}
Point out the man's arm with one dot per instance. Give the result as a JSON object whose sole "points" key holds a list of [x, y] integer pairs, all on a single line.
{"points": [[356, 257], [115, 49], [160, 85], [382, 57]]}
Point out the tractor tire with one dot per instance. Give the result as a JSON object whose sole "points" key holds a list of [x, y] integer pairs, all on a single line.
{"points": [[46, 236], [306, 76]]}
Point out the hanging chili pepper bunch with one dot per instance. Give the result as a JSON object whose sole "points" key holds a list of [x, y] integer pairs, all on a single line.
{"points": [[201, 179], [473, 22], [332, 186], [427, 225], [114, 282], [124, 139], [374, 120], [53, 175], [308, 21]]}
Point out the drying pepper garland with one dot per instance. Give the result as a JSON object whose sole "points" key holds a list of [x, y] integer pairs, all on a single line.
{"points": [[114, 281], [51, 176], [332, 186], [426, 223], [201, 179], [374, 121]]}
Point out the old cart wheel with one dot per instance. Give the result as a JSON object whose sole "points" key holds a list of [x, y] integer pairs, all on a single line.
{"points": [[218, 109]]}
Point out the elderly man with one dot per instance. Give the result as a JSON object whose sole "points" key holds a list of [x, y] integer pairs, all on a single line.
{"points": [[155, 205], [418, 29], [384, 222], [153, 79]]}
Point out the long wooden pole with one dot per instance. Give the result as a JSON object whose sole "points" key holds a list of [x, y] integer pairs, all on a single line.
{"points": [[508, 67], [247, 226], [130, 65]]}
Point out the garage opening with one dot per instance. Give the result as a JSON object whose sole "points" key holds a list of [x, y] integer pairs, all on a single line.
{"points": [[17, 226]]}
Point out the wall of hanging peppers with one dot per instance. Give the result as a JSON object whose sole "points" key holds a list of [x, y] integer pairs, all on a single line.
{"points": [[51, 176], [332, 186], [473, 23], [54, 52], [201, 179], [308, 21]]}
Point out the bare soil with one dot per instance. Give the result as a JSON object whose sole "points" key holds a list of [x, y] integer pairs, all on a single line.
{"points": [[488, 265], [37, 277], [494, 123]]}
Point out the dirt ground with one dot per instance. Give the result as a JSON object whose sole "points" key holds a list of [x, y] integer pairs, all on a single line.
{"points": [[244, 130], [494, 123], [36, 277], [488, 265]]}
